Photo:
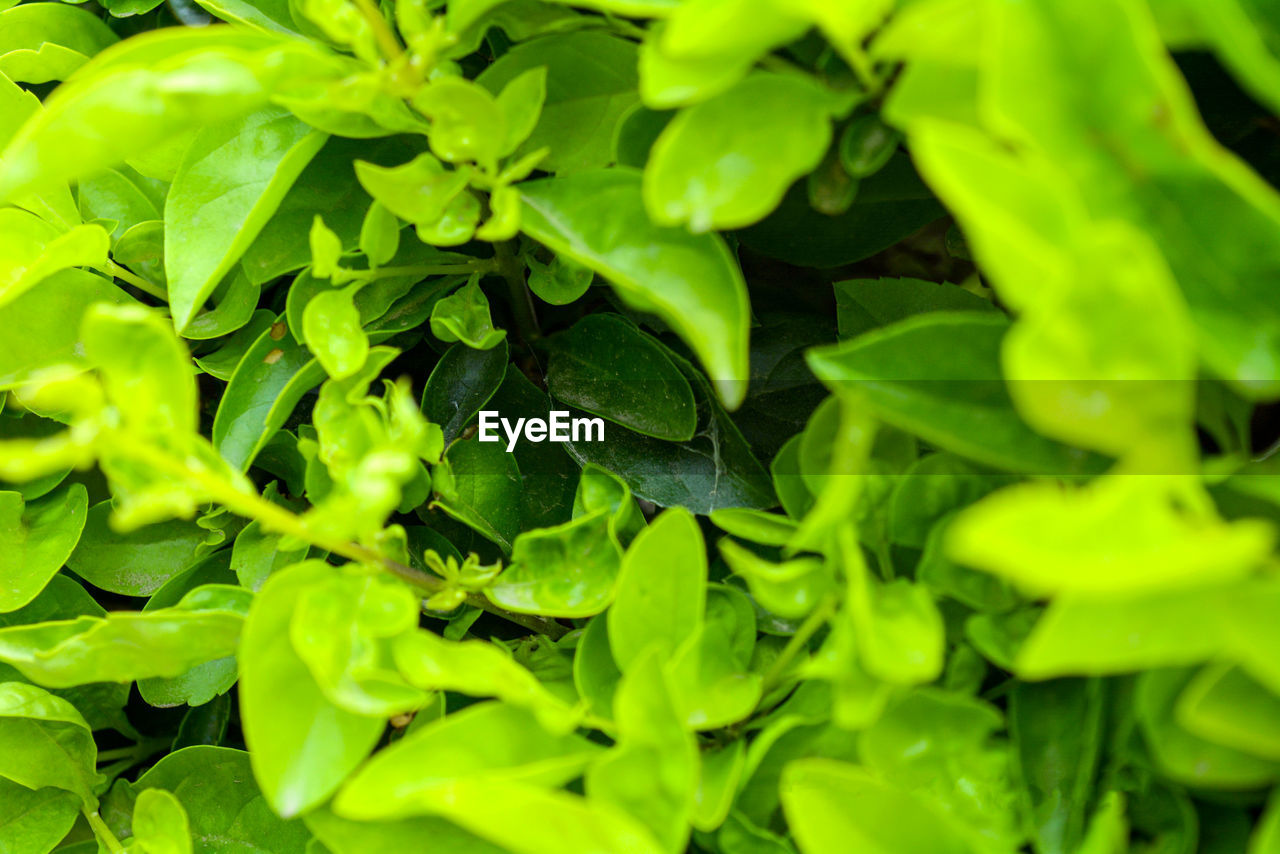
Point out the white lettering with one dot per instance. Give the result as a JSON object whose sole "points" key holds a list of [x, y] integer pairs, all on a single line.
{"points": [[558, 428], [559, 425], [588, 425], [488, 424], [512, 435]]}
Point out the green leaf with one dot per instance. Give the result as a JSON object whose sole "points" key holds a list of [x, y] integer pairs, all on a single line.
{"points": [[661, 589], [215, 787], [127, 645], [866, 304], [232, 179], [33, 250], [34, 821], [590, 83], [478, 484], [138, 90], [302, 746], [44, 741], [461, 383], [832, 805], [45, 323], [418, 191], [160, 824], [938, 376], [485, 742], [204, 682], [521, 104], [560, 282], [1057, 733], [889, 207], [564, 571], [36, 538], [1185, 757], [139, 562], [691, 281], [467, 124], [331, 325], [273, 375], [343, 629], [1117, 535], [726, 162], [608, 367], [652, 770], [343, 836], [477, 669], [1224, 705], [464, 316]]}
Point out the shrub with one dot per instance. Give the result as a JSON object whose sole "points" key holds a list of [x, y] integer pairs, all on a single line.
{"points": [[639, 426]]}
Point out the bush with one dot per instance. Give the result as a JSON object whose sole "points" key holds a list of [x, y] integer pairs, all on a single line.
{"points": [[639, 426]]}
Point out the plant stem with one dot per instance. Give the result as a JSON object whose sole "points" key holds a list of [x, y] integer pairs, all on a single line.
{"points": [[275, 518], [816, 619], [510, 268], [478, 266], [100, 830], [137, 281], [386, 37]]}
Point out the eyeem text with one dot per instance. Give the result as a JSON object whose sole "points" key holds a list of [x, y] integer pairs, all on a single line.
{"points": [[559, 427]]}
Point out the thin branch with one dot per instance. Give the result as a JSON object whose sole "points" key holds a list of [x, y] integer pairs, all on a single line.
{"points": [[275, 518], [137, 281], [510, 268]]}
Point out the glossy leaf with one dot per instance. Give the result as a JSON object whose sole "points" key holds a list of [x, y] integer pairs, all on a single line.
{"points": [[608, 367], [38, 539], [767, 131], [231, 181], [692, 283], [301, 745]]}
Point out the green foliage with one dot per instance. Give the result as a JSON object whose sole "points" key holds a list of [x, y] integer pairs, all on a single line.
{"points": [[921, 359]]}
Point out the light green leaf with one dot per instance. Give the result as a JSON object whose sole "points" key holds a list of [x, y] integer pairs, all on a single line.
{"points": [[938, 376], [343, 629], [146, 91], [477, 669], [467, 123], [726, 163], [464, 316], [661, 589], [301, 745], [590, 83], [568, 570], [34, 821], [418, 191], [232, 179], [128, 645], [331, 325], [521, 104], [485, 742], [1117, 535], [652, 770], [833, 805], [160, 824], [44, 741], [36, 538], [44, 325]]}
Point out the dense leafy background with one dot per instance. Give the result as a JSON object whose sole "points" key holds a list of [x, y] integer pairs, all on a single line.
{"points": [[938, 343]]}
